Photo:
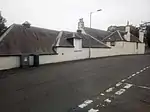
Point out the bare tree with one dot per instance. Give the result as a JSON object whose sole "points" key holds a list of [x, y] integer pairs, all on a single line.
{"points": [[2, 24]]}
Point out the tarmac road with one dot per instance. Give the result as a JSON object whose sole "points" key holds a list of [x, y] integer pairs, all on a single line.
{"points": [[114, 84]]}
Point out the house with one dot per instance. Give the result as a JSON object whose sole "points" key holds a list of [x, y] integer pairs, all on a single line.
{"points": [[21, 43], [25, 45], [121, 41]]}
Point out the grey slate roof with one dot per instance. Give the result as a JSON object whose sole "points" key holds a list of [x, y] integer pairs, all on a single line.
{"points": [[119, 36], [134, 39], [98, 34], [22, 40], [66, 40], [88, 41], [115, 36]]}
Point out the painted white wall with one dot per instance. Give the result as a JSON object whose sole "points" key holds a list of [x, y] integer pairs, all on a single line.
{"points": [[69, 54], [141, 36], [108, 44], [77, 44], [64, 54], [31, 60], [141, 48], [127, 36], [9, 62], [100, 52]]}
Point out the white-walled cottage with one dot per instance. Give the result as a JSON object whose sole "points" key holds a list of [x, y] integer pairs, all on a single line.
{"points": [[120, 41], [24, 45]]}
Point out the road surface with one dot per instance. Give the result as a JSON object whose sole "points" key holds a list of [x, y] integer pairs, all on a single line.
{"points": [[114, 84]]}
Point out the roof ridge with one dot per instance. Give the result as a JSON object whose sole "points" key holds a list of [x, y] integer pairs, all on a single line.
{"points": [[97, 40], [96, 29], [135, 37], [57, 41], [79, 35], [41, 28], [119, 34], [109, 35]]}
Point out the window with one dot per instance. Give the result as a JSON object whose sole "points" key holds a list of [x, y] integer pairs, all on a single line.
{"points": [[112, 43]]}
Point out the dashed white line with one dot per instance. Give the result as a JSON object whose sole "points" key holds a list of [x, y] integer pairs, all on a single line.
{"points": [[123, 80], [107, 100], [141, 70], [118, 84], [133, 75], [120, 92], [144, 87], [127, 86], [110, 89], [130, 77], [102, 94], [93, 110], [85, 103]]}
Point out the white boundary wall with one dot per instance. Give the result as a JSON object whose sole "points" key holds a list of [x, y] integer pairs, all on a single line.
{"points": [[141, 48], [64, 54], [69, 54], [9, 62]]}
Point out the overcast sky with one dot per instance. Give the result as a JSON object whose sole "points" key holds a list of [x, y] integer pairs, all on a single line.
{"points": [[64, 14]]}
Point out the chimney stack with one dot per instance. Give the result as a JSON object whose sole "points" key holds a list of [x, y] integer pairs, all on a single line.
{"points": [[141, 35], [26, 24], [127, 29], [80, 24]]}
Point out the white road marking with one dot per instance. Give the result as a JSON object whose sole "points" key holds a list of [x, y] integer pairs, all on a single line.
{"points": [[118, 84], [110, 89], [133, 75], [93, 110], [120, 92], [127, 86], [141, 70], [144, 87], [108, 100], [130, 77], [85, 103], [123, 80], [102, 94]]}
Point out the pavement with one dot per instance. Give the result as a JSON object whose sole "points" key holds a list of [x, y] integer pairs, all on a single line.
{"points": [[113, 84]]}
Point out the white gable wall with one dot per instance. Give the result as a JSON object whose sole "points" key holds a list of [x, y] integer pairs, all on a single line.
{"points": [[141, 36], [141, 48], [128, 35], [77, 44], [9, 62]]}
